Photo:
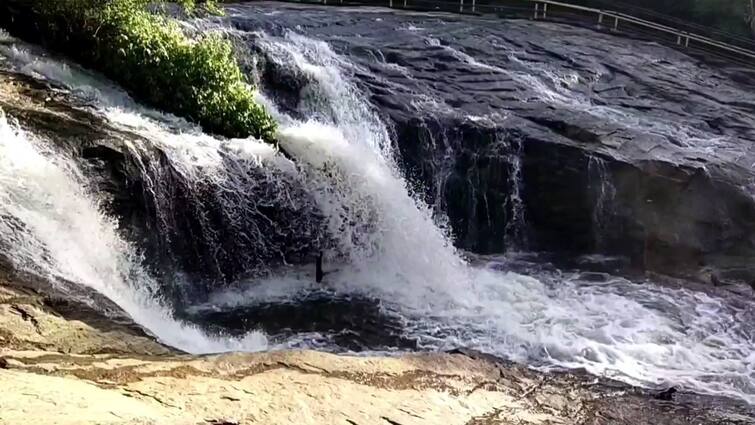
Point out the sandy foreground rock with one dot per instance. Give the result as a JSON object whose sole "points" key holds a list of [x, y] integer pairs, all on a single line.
{"points": [[56, 369]]}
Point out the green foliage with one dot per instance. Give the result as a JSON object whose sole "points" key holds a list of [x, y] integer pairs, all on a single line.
{"points": [[729, 16], [150, 56]]}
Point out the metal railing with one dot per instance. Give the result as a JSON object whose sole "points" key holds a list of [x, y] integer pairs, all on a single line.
{"points": [[682, 37], [630, 8], [605, 19]]}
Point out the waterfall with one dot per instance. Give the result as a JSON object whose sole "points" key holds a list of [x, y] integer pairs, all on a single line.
{"points": [[604, 193], [381, 242], [516, 227], [54, 228], [344, 153]]}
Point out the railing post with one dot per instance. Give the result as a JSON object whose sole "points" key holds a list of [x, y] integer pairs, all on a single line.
{"points": [[545, 10], [600, 19], [473, 6], [537, 9], [461, 6], [615, 23], [390, 4], [686, 43], [679, 39], [404, 4]]}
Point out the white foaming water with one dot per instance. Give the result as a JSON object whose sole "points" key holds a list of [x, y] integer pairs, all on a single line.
{"points": [[387, 236], [639, 334], [56, 229], [391, 249], [390, 241], [644, 335], [331, 98]]}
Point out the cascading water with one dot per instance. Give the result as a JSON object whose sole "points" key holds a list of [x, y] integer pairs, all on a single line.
{"points": [[386, 245], [604, 196], [329, 99], [516, 228], [241, 202], [55, 229], [344, 154]]}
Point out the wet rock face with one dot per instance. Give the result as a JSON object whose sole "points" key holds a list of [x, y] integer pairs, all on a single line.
{"points": [[350, 323], [466, 171], [559, 201], [665, 217], [685, 217], [217, 229], [613, 145], [188, 224]]}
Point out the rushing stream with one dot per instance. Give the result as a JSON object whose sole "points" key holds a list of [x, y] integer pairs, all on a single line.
{"points": [[388, 243]]}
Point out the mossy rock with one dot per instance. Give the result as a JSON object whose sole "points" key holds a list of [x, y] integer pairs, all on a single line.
{"points": [[150, 56]]}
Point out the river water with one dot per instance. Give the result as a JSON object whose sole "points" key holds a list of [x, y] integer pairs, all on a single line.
{"points": [[388, 245]]}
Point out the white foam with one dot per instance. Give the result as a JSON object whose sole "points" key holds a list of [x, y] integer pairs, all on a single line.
{"points": [[330, 98], [640, 334], [56, 229]]}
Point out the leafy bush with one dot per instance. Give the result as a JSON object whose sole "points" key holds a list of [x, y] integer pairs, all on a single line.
{"points": [[150, 56]]}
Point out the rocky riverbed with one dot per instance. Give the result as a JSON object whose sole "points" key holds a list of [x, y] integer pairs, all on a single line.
{"points": [[70, 353], [67, 364]]}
